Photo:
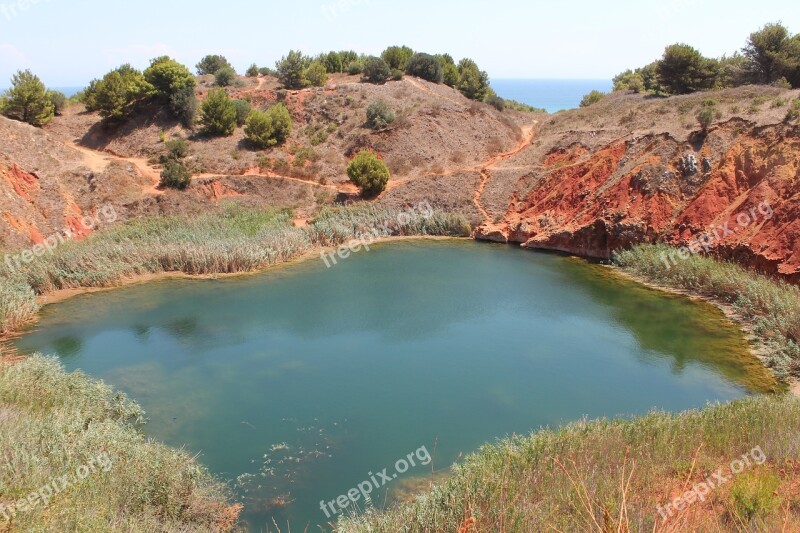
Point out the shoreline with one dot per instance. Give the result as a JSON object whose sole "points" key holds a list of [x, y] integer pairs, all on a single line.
{"points": [[756, 349]]}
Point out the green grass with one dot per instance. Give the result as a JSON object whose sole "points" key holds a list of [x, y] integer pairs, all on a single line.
{"points": [[771, 307], [52, 423], [230, 241], [572, 479]]}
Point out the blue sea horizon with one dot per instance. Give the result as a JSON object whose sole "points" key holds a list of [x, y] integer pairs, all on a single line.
{"points": [[550, 94]]}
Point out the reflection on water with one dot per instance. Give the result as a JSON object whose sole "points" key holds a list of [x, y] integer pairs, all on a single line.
{"points": [[296, 383]]}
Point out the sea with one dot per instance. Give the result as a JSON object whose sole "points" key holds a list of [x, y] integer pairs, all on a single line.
{"points": [[551, 95]]}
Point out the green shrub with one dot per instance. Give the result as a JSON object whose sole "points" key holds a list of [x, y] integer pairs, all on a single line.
{"points": [[379, 115], [268, 128], [28, 100], [225, 76], [472, 81], [291, 70], [753, 494], [450, 75], [397, 57], [355, 67], [316, 74], [369, 173], [59, 101], [183, 104], [175, 175], [705, 117], [397, 75], [794, 112], [495, 101], [683, 70], [252, 71], [266, 71], [177, 149], [629, 81], [218, 114], [333, 62], [242, 111], [168, 77], [117, 93], [376, 70], [592, 98], [211, 64], [425, 66]]}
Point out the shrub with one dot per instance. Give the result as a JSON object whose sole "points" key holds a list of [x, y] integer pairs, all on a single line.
{"points": [[629, 81], [397, 57], [333, 62], [183, 105], [379, 115], [592, 98], [397, 75], [369, 173], [175, 175], [376, 70], [752, 494], [772, 54], [266, 71], [683, 70], [252, 71], [268, 128], [705, 117], [211, 64], [450, 75], [794, 111], [472, 81], [225, 76], [218, 114], [177, 149], [242, 111], [168, 77], [316, 74], [27, 100], [59, 101], [355, 67], [117, 93], [425, 66], [291, 70], [495, 101]]}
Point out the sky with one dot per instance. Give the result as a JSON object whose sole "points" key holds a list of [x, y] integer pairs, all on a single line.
{"points": [[70, 42]]}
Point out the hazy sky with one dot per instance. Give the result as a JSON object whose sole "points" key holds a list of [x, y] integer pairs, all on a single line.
{"points": [[69, 42]]}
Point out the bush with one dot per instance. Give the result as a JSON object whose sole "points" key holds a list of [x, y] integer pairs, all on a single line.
{"points": [[355, 67], [177, 149], [291, 70], [683, 70], [333, 62], [266, 71], [252, 71], [168, 77], [114, 96], [225, 76], [425, 66], [175, 175], [705, 117], [268, 128], [183, 105], [629, 81], [592, 98], [794, 112], [28, 100], [379, 115], [495, 101], [242, 111], [450, 75], [369, 173], [753, 494], [59, 101], [397, 57], [316, 74], [218, 114], [472, 81], [376, 70], [211, 64]]}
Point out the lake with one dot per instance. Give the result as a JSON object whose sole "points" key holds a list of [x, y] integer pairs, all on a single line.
{"points": [[303, 382]]}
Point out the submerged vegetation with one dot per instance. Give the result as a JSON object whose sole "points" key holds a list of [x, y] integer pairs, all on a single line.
{"points": [[56, 423], [620, 475], [771, 307], [235, 240]]}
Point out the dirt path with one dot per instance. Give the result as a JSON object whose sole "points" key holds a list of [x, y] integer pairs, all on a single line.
{"points": [[98, 161]]}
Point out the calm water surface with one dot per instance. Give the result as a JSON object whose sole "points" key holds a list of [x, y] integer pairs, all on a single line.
{"points": [[297, 383]]}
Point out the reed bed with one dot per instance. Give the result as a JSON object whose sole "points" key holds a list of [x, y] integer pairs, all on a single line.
{"points": [[611, 475], [771, 307]]}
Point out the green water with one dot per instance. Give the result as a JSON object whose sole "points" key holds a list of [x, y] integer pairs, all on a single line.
{"points": [[300, 383]]}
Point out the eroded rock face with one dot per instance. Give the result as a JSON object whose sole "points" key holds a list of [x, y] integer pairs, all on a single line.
{"points": [[748, 201]]}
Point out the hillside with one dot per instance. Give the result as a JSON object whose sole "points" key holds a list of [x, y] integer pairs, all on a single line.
{"points": [[627, 169]]}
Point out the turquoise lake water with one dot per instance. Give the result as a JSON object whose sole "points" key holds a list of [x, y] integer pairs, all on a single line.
{"points": [[300, 383]]}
